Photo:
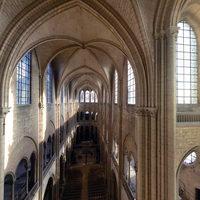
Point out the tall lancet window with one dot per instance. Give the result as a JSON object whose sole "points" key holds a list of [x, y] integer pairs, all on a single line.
{"points": [[131, 84], [49, 85], [92, 94], [24, 80], [82, 96], [95, 97], [116, 87], [87, 96], [186, 65]]}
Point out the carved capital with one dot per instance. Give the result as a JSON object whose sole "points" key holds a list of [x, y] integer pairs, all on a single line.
{"points": [[41, 76], [146, 111], [159, 35], [4, 111], [172, 31], [41, 105]]}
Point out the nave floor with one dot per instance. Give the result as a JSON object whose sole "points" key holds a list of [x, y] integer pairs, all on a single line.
{"points": [[86, 182]]}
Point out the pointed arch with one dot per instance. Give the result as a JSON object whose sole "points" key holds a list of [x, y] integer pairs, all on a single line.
{"points": [[101, 10]]}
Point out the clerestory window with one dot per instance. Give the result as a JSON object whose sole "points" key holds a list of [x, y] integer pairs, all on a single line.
{"points": [[116, 87], [186, 65], [23, 83], [88, 96], [131, 84], [49, 85]]}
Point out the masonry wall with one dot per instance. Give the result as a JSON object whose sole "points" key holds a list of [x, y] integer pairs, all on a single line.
{"points": [[22, 126], [187, 141], [23, 132], [187, 138]]}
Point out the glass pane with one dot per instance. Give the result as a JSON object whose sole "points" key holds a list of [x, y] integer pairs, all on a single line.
{"points": [[186, 73], [82, 96], [131, 85], [191, 158], [87, 96], [49, 85], [23, 82], [116, 87]]}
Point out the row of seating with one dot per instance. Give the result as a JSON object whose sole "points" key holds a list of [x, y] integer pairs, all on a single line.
{"points": [[96, 187], [73, 187]]}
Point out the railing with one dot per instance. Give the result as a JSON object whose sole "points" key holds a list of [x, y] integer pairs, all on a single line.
{"points": [[115, 161], [187, 117], [128, 190], [48, 166], [22, 193], [98, 197], [31, 194]]}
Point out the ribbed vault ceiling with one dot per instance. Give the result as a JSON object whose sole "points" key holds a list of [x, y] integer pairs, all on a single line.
{"points": [[82, 49], [192, 11]]}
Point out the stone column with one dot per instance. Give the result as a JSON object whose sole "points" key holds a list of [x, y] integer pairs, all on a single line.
{"points": [[57, 149], [109, 153], [170, 112], [3, 112], [145, 135], [41, 149], [165, 51], [40, 134], [120, 173]]}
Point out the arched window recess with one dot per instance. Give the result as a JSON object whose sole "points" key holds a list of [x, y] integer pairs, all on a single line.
{"points": [[8, 187], [21, 182], [130, 173]]}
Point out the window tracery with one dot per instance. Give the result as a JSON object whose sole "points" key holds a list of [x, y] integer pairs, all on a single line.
{"points": [[88, 96]]}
